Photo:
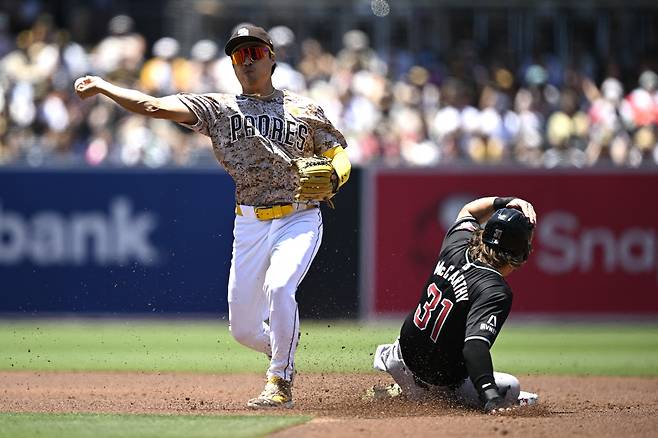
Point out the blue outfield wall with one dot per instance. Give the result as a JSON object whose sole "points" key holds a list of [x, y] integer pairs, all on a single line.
{"points": [[147, 242], [115, 241]]}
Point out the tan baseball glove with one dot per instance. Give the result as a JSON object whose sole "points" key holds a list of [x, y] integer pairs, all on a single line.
{"points": [[315, 179]]}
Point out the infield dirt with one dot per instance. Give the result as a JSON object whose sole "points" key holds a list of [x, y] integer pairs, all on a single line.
{"points": [[569, 406]]}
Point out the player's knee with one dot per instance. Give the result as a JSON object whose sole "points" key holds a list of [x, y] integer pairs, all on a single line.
{"points": [[243, 334], [281, 294]]}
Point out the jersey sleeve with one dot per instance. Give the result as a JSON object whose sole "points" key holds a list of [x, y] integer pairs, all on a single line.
{"points": [[488, 314], [459, 234], [325, 135], [205, 108]]}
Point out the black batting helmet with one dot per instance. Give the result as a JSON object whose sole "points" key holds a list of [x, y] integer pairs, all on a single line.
{"points": [[510, 231]]}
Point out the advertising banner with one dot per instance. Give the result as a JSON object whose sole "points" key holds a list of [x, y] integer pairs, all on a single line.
{"points": [[594, 249], [115, 241]]}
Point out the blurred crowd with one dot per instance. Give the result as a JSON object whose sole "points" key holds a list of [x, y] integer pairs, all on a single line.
{"points": [[395, 108]]}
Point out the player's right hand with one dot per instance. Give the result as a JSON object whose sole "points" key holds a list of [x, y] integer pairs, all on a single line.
{"points": [[525, 207], [88, 86]]}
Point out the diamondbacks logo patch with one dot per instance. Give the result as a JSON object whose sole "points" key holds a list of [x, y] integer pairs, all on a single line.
{"points": [[490, 325]]}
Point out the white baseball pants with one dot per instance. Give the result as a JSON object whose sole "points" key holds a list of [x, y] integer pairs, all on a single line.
{"points": [[270, 259], [389, 358]]}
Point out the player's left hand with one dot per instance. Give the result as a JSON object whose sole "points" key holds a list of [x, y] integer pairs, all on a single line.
{"points": [[502, 410], [315, 179], [495, 402], [525, 207]]}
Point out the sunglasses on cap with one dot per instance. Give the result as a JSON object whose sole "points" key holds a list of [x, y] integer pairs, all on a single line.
{"points": [[254, 53]]}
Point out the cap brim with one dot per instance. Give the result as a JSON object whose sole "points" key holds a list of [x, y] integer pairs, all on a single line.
{"points": [[235, 42]]}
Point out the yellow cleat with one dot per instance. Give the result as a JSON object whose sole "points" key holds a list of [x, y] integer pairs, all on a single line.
{"points": [[378, 392], [277, 394]]}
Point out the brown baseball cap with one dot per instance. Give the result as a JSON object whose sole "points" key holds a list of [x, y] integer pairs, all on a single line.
{"points": [[245, 34]]}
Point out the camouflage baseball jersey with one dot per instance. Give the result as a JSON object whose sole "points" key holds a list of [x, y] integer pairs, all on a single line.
{"points": [[255, 140]]}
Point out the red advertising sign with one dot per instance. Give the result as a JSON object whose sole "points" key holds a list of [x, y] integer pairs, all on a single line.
{"points": [[595, 249]]}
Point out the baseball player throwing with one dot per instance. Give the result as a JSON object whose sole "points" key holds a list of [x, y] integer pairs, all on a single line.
{"points": [[443, 348], [285, 157]]}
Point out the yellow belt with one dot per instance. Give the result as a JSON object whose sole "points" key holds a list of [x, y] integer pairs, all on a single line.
{"points": [[274, 211]]}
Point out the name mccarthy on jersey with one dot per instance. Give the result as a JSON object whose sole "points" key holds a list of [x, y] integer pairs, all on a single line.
{"points": [[455, 277]]}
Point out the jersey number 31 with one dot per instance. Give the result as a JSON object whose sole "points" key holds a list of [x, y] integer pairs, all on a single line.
{"points": [[424, 314]]}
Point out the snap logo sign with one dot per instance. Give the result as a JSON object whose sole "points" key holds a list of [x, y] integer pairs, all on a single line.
{"points": [[567, 245], [114, 237]]}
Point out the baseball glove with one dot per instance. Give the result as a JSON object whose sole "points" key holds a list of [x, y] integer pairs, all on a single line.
{"points": [[315, 179]]}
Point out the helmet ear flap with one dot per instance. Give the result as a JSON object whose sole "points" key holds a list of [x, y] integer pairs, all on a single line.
{"points": [[526, 254], [529, 249]]}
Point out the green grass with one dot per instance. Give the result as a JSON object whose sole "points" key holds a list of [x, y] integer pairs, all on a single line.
{"points": [[593, 349], [142, 426], [175, 346]]}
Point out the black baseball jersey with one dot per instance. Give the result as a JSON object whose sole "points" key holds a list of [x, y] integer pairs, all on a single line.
{"points": [[462, 300]]}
